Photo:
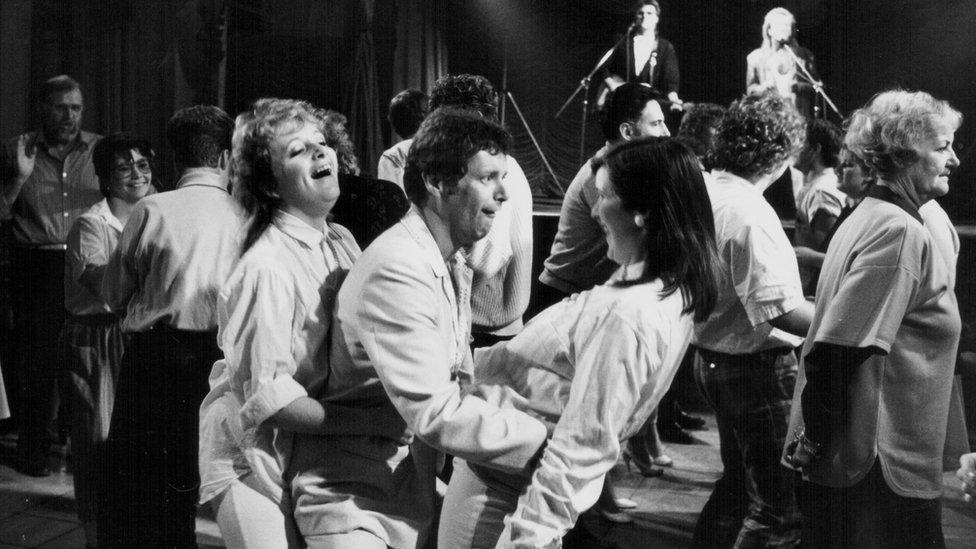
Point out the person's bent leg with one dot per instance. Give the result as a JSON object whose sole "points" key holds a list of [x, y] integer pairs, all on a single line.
{"points": [[357, 539], [773, 519], [721, 518], [248, 519], [475, 507]]}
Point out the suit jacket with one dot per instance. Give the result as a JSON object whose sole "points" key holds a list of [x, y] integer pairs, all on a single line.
{"points": [[400, 338]]}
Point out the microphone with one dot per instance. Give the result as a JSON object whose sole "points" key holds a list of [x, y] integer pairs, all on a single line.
{"points": [[634, 26]]}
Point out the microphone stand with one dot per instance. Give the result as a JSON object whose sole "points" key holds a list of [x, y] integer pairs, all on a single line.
{"points": [[817, 84], [508, 97], [584, 86]]}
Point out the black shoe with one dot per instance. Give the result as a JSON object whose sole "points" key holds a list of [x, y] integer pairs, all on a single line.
{"points": [[672, 432], [690, 422]]}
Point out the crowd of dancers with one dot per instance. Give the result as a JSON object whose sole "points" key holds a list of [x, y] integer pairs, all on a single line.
{"points": [[229, 343]]}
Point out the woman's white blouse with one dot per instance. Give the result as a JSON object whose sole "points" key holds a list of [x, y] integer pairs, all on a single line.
{"points": [[598, 363], [274, 314]]}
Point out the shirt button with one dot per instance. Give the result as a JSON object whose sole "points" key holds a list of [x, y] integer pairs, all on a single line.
{"points": [[65, 194], [64, 174], [65, 214]]}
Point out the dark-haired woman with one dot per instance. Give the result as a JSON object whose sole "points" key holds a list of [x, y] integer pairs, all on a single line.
{"points": [[274, 313], [92, 337], [598, 363]]}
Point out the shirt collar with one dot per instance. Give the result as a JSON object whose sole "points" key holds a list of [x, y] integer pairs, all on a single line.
{"points": [[301, 231], [417, 227], [886, 194], [83, 140], [628, 273], [203, 177], [102, 210], [722, 176]]}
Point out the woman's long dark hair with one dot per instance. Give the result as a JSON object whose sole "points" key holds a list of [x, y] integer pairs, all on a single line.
{"points": [[659, 179]]}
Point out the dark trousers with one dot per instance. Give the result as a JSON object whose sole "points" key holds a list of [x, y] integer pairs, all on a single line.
{"points": [[38, 307], [153, 486], [868, 515], [753, 504]]}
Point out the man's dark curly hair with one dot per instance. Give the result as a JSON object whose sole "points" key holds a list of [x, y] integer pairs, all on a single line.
{"points": [[444, 144], [698, 126], [758, 133], [828, 136], [407, 110], [465, 91]]}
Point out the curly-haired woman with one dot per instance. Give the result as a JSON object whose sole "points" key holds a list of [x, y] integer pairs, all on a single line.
{"points": [[274, 314]]}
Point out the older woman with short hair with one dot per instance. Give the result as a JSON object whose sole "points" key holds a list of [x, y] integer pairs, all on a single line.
{"points": [[274, 314], [870, 408]]}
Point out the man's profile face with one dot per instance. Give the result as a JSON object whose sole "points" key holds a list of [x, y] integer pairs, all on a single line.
{"points": [[651, 122], [62, 116], [470, 207]]}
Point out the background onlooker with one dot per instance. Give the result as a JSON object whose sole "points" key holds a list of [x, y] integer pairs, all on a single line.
{"points": [[92, 337], [407, 110]]}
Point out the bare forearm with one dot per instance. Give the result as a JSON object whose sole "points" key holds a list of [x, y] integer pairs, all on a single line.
{"points": [[797, 321], [307, 415], [12, 190]]}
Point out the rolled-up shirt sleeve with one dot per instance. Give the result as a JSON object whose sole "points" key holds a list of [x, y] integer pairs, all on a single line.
{"points": [[257, 322], [617, 372], [401, 336], [765, 273], [86, 253]]}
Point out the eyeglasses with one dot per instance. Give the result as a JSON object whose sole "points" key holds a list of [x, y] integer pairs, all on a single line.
{"points": [[126, 169]]}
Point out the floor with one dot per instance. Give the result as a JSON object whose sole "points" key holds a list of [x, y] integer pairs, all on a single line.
{"points": [[40, 512]]}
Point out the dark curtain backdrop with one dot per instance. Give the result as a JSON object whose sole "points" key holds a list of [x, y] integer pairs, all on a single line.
{"points": [[337, 55], [360, 99], [861, 47], [139, 60]]}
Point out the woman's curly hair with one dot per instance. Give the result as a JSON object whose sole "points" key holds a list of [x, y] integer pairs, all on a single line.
{"points": [[335, 129], [758, 133], [886, 133], [251, 176]]}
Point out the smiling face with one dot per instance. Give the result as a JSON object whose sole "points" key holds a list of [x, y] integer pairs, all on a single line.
{"points": [[470, 207], [130, 177], [62, 116], [306, 171], [624, 237], [929, 175]]}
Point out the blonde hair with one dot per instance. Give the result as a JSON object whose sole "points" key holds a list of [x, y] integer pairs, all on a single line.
{"points": [[885, 133], [767, 42]]}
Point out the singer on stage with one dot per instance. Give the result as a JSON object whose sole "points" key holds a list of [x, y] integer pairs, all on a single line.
{"points": [[775, 63], [645, 57]]}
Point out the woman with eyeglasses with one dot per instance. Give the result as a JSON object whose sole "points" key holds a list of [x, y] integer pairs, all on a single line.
{"points": [[92, 337]]}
